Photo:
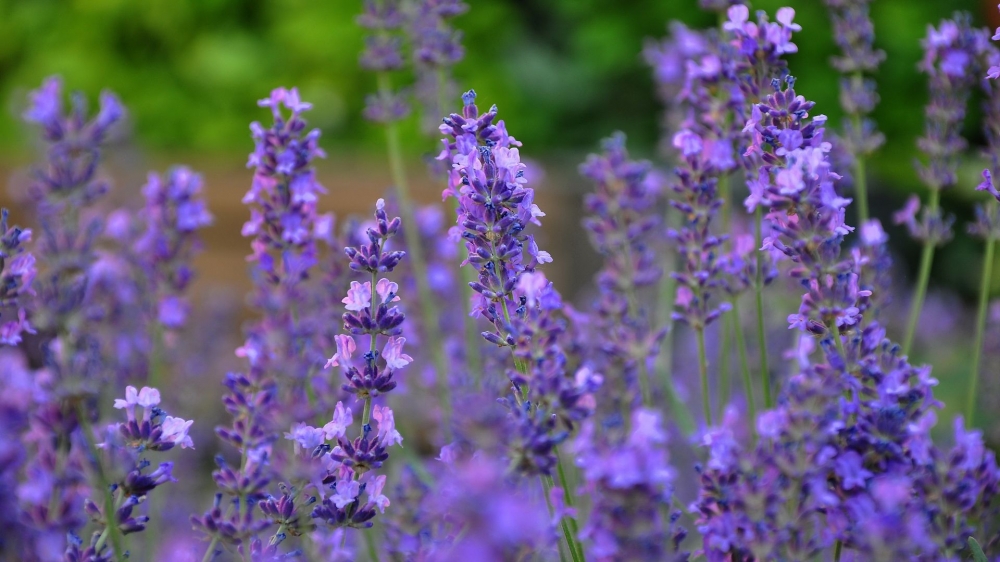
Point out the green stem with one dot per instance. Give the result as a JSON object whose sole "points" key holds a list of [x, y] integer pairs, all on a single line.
{"points": [[860, 180], [706, 400], [210, 553], [923, 277], [838, 341], [664, 362], [568, 500], [725, 327], [741, 346], [111, 525], [370, 544], [567, 534], [984, 297], [765, 373], [837, 548], [574, 547], [427, 302]]}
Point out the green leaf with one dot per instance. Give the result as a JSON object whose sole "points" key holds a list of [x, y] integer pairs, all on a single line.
{"points": [[977, 551]]}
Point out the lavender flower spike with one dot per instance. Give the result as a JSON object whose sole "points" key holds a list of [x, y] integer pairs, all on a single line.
{"points": [[952, 55], [495, 207], [174, 212], [17, 271], [623, 227], [855, 36]]}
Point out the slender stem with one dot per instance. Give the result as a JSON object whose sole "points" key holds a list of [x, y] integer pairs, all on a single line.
{"points": [[370, 544], [429, 314], [574, 547], [664, 362], [860, 180], [741, 346], [111, 525], [923, 277], [706, 400], [210, 553], [837, 548], [984, 297], [546, 487], [725, 328], [568, 500], [839, 342], [765, 373]]}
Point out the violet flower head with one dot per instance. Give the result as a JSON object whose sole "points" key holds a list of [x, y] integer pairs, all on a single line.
{"points": [[760, 46], [952, 54], [284, 190], [64, 191], [629, 478], [806, 213], [495, 207], [436, 48], [547, 403], [132, 476], [498, 519], [698, 201], [624, 227], [17, 271], [855, 35], [371, 312], [383, 53], [175, 210], [343, 476], [987, 223]]}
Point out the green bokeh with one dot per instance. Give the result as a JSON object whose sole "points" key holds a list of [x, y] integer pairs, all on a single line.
{"points": [[564, 72]]}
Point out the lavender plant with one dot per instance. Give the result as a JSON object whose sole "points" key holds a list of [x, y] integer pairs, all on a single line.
{"points": [[559, 446]]}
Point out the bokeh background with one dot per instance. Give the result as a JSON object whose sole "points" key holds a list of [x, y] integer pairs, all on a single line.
{"points": [[565, 73]]}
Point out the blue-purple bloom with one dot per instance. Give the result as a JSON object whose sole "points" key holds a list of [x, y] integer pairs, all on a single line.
{"points": [[17, 271], [494, 208], [625, 228], [174, 212]]}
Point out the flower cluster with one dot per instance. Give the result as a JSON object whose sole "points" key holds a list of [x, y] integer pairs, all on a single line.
{"points": [[347, 470], [126, 445], [627, 473], [17, 271], [624, 228], [174, 212], [806, 213], [855, 35], [547, 403], [494, 208], [371, 312]]}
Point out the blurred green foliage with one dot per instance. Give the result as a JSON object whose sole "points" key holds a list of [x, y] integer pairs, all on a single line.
{"points": [[567, 72]]}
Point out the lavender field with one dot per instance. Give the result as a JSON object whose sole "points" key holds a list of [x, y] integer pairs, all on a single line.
{"points": [[718, 353]]}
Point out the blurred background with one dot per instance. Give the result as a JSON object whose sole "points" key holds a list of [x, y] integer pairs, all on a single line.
{"points": [[564, 73]]}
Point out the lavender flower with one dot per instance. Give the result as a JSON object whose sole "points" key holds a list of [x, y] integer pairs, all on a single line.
{"points": [[64, 192], [436, 48], [174, 212], [855, 35], [383, 52], [17, 271], [285, 228], [494, 208], [624, 228], [627, 474], [490, 517], [370, 312], [760, 47], [547, 403]]}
